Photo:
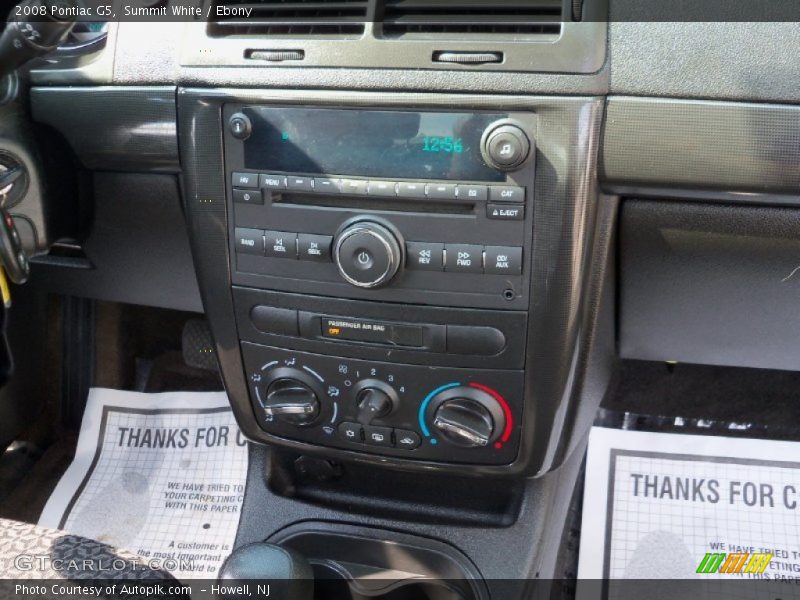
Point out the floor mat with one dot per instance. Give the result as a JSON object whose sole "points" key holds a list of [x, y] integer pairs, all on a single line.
{"points": [[662, 506], [162, 475]]}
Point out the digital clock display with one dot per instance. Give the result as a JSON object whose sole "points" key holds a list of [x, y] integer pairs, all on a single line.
{"points": [[369, 143], [442, 144]]}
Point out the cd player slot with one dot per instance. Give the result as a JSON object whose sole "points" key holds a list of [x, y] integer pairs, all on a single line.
{"points": [[373, 203]]}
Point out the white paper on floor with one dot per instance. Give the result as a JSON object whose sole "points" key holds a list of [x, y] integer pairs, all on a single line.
{"points": [[656, 503], [162, 475]]}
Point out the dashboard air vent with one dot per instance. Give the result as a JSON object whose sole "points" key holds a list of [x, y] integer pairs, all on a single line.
{"points": [[477, 17], [288, 17]]}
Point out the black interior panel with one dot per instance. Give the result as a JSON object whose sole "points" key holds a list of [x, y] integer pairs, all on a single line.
{"points": [[709, 284]]}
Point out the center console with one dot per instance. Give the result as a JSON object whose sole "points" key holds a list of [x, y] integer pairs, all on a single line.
{"points": [[380, 207], [389, 278]]}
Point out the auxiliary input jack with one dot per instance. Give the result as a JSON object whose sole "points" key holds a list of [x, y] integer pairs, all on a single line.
{"points": [[509, 294]]}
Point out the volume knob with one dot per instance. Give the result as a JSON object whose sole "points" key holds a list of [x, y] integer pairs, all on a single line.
{"points": [[367, 254]]}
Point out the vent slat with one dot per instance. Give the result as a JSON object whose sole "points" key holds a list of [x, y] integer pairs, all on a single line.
{"points": [[291, 17], [490, 17]]}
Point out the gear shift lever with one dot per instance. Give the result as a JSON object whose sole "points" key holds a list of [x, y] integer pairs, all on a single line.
{"points": [[286, 572]]}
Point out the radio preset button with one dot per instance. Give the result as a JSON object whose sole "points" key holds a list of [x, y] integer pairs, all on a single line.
{"points": [[410, 189], [272, 182], [425, 256], [305, 184], [357, 187], [506, 193], [477, 193], [280, 244], [249, 241], [245, 180], [505, 212], [326, 185], [314, 247], [382, 188], [441, 191], [464, 258], [503, 260], [248, 196]]}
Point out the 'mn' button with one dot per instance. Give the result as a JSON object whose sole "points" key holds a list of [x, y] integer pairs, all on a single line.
{"points": [[505, 212]]}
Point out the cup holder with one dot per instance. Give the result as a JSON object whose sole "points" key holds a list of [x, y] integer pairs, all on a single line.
{"points": [[330, 584], [360, 563]]}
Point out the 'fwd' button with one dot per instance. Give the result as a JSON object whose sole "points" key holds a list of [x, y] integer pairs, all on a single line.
{"points": [[464, 258]]}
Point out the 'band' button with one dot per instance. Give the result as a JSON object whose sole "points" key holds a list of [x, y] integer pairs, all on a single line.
{"points": [[506, 212], [503, 260], [280, 244], [464, 258], [249, 241]]}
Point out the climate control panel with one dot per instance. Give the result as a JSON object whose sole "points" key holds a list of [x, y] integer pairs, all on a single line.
{"points": [[446, 415]]}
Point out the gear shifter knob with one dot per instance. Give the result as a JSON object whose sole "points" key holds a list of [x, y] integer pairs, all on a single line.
{"points": [[286, 572]]}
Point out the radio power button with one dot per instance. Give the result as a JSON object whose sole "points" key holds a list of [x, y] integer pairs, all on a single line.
{"points": [[367, 254]]}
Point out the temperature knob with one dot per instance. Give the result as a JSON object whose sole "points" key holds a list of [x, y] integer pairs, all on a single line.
{"points": [[468, 416], [367, 254], [464, 422], [292, 401]]}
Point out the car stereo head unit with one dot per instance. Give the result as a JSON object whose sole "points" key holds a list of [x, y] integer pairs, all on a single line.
{"points": [[425, 207]]}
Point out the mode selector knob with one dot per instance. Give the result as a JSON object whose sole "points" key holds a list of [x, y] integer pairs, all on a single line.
{"points": [[291, 401], [367, 254]]}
